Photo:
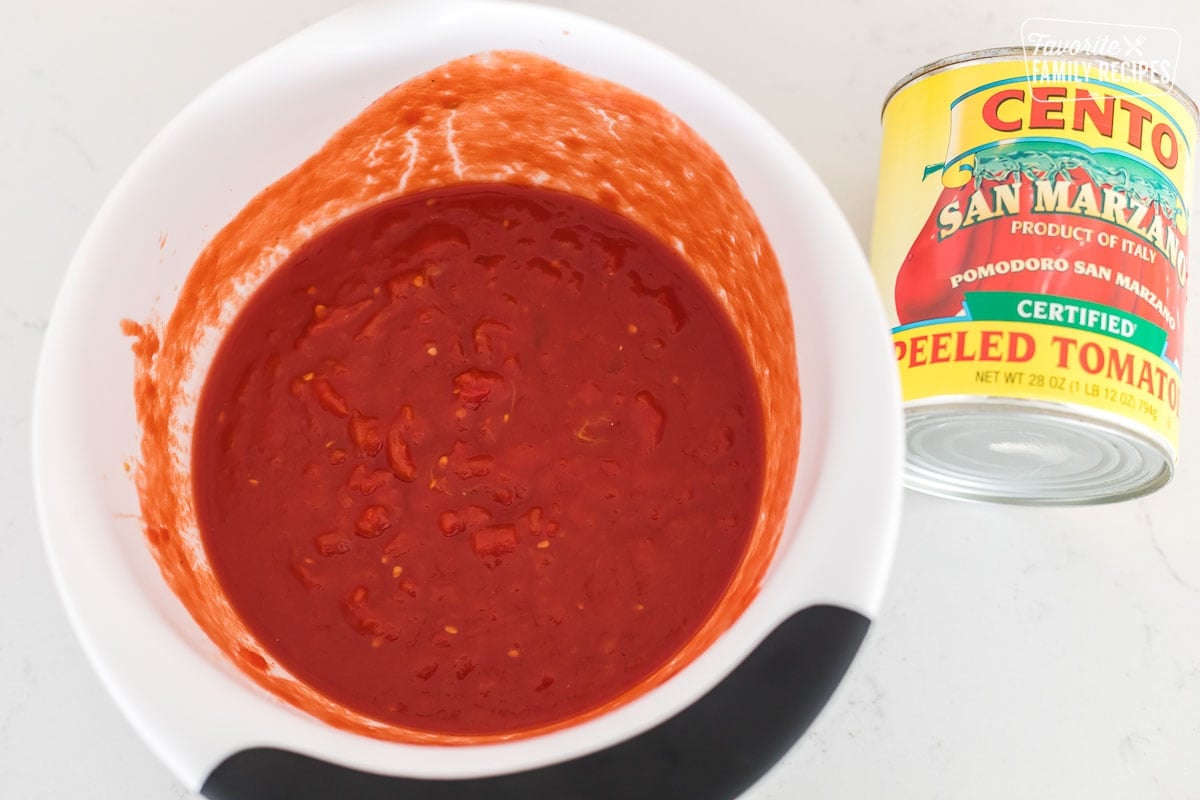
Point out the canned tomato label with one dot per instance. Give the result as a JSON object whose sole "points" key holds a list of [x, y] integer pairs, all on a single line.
{"points": [[1031, 238]]}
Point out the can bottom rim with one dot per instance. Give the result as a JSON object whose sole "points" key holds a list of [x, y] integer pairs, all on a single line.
{"points": [[1030, 453]]}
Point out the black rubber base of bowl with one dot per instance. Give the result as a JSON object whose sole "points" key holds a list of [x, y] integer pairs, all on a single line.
{"points": [[712, 750]]}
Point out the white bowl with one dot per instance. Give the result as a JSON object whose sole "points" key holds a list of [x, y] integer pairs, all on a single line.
{"points": [[189, 702]]}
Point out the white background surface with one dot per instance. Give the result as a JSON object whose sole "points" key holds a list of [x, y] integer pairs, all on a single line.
{"points": [[1020, 654]]}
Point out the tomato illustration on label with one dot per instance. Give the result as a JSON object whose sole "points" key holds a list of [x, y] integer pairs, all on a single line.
{"points": [[1055, 220], [921, 284]]}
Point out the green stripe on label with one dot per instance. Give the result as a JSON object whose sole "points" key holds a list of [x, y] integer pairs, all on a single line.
{"points": [[1066, 312]]}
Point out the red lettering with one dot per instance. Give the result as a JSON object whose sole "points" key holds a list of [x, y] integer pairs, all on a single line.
{"points": [[945, 347], [1064, 349], [1137, 121], [941, 348], [991, 110], [1086, 106], [1043, 107], [961, 352], [1163, 131], [1091, 358], [1020, 347], [1146, 377], [916, 350], [989, 345]]}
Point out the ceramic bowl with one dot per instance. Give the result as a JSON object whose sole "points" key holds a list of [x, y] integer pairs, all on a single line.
{"points": [[707, 732]]}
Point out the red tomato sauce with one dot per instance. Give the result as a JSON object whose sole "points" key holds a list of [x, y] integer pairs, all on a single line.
{"points": [[478, 459]]}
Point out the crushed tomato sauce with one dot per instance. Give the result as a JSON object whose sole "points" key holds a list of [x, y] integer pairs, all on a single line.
{"points": [[478, 459]]}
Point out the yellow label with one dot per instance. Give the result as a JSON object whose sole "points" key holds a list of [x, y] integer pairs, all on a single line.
{"points": [[1031, 237], [1094, 113], [1039, 362]]}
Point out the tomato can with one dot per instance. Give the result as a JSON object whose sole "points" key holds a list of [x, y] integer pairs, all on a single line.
{"points": [[1031, 242]]}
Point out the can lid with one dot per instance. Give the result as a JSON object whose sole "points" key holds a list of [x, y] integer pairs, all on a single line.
{"points": [[1011, 53], [1030, 453]]}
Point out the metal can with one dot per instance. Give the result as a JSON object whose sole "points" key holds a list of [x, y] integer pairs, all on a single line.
{"points": [[1031, 239]]}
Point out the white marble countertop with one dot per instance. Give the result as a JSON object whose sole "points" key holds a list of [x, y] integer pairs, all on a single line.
{"points": [[1021, 653]]}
